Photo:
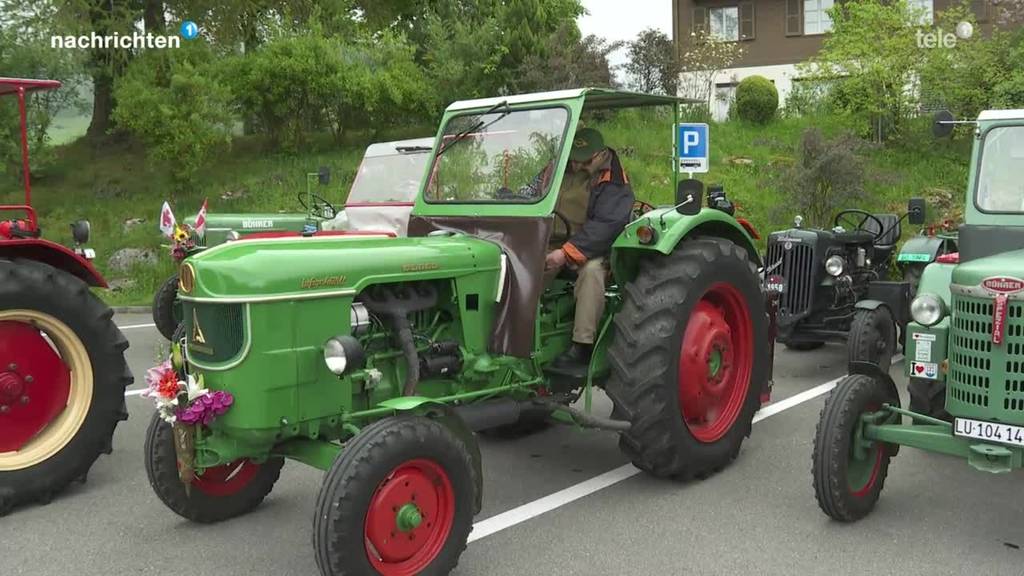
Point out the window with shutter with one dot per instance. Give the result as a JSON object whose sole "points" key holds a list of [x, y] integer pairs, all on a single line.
{"points": [[700, 20], [746, 20], [794, 17]]}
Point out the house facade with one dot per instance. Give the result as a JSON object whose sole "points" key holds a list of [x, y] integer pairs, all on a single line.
{"points": [[776, 36]]}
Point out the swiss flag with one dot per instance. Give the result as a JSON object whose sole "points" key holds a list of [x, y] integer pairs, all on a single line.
{"points": [[167, 221], [201, 220]]}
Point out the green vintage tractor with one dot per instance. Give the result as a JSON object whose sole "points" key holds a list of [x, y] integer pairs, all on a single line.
{"points": [[380, 200], [964, 348], [377, 358]]}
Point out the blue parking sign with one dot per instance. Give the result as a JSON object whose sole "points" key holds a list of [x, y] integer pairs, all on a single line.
{"points": [[692, 147]]}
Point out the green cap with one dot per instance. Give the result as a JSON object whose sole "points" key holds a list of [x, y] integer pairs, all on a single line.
{"points": [[585, 144]]}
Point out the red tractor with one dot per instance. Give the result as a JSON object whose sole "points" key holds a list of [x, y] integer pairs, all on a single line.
{"points": [[62, 366]]}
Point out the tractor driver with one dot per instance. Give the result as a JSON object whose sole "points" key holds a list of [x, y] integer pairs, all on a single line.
{"points": [[597, 190]]}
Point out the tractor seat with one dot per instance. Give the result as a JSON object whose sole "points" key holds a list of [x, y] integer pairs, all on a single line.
{"points": [[891, 226]]}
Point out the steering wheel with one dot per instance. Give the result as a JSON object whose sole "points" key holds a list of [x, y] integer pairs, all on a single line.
{"points": [[568, 228], [846, 217], [321, 207]]}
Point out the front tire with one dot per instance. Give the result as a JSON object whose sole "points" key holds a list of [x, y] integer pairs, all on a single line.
{"points": [[398, 501], [847, 486], [166, 308], [62, 381], [689, 359], [928, 397], [872, 337], [218, 493]]}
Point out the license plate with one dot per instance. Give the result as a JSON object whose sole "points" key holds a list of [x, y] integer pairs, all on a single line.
{"points": [[990, 431]]}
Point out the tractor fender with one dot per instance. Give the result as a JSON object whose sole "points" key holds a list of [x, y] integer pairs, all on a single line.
{"points": [[671, 228], [445, 415], [873, 370], [53, 254], [920, 249], [869, 304]]}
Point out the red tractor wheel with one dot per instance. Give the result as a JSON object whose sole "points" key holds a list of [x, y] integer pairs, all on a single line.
{"points": [[62, 380], [849, 475], [689, 359], [217, 493], [397, 502]]}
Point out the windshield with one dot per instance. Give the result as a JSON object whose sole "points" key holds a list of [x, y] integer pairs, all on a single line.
{"points": [[506, 157], [1000, 186], [392, 178]]}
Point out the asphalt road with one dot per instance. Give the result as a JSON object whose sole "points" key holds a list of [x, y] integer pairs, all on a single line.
{"points": [[936, 515]]}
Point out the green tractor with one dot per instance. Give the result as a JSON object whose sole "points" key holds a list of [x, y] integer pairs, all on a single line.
{"points": [[377, 358], [379, 201], [964, 347]]}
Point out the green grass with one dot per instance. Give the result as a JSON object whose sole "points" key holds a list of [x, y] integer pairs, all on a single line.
{"points": [[116, 181]]}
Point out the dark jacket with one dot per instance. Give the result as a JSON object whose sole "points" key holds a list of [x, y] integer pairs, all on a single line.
{"points": [[609, 209]]}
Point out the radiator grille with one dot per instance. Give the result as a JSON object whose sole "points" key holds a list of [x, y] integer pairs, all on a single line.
{"points": [[985, 380], [796, 266], [221, 329]]}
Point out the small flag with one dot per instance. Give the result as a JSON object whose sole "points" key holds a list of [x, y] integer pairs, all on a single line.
{"points": [[201, 220], [167, 221]]}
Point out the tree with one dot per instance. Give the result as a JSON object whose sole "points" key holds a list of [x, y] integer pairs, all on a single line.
{"points": [[873, 57], [653, 64], [568, 61], [705, 57]]}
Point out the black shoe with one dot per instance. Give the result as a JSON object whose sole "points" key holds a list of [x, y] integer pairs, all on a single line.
{"points": [[575, 360]]}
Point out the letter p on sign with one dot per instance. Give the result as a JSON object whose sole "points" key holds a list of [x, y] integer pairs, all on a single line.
{"points": [[692, 147]]}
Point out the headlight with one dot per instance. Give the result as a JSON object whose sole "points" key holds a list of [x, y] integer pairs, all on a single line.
{"points": [[343, 354], [835, 265], [927, 309]]}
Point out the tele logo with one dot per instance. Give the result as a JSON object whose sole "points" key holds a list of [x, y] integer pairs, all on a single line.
{"points": [[939, 38]]}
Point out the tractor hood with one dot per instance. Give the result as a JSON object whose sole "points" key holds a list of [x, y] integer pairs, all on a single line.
{"points": [[1000, 273], [310, 267]]}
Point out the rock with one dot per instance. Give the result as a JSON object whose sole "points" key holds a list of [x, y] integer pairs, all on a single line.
{"points": [[741, 161], [127, 258], [234, 194], [122, 284], [132, 223]]}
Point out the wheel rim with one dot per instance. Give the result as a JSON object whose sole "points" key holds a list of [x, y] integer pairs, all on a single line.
{"points": [[409, 518], [715, 363], [45, 387], [226, 479], [861, 475]]}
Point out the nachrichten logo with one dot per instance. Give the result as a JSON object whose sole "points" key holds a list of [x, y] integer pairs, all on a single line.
{"points": [[135, 41]]}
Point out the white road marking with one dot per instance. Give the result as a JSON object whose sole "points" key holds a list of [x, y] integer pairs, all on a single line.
{"points": [[133, 326], [520, 514]]}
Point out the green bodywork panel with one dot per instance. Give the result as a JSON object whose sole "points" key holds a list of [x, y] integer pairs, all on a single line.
{"points": [[671, 227], [260, 311], [219, 225]]}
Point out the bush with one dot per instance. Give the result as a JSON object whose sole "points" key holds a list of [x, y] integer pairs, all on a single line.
{"points": [[827, 177], [174, 102], [757, 100], [297, 85]]}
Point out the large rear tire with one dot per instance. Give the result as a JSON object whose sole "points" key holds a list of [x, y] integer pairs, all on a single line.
{"points": [[873, 337], [689, 359], [166, 308], [62, 381], [398, 501], [847, 487]]}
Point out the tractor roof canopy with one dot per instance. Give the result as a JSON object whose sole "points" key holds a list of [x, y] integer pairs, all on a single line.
{"points": [[22, 86], [505, 156]]}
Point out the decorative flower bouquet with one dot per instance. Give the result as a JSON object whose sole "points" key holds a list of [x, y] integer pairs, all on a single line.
{"points": [[184, 402]]}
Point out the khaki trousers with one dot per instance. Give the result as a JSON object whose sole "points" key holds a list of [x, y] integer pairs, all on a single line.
{"points": [[589, 295]]}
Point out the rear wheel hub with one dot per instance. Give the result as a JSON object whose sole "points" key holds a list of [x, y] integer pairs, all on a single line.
{"points": [[715, 363], [35, 384]]}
